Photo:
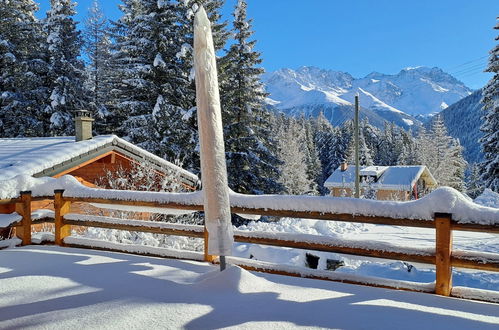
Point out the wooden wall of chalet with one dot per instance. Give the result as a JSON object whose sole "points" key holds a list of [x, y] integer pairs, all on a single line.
{"points": [[90, 172], [382, 195]]}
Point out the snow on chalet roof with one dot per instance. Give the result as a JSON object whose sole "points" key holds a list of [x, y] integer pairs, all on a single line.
{"points": [[386, 177], [47, 156]]}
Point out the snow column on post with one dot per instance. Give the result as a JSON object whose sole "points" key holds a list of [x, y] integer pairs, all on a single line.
{"points": [[213, 168]]}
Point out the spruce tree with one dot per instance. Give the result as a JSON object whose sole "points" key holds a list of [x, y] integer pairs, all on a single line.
{"points": [[153, 96], [97, 47], [442, 155], [65, 71], [475, 184], [291, 140], [22, 69], [312, 161], [490, 126], [326, 138], [252, 167]]}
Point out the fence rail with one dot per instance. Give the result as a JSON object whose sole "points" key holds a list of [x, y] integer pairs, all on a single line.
{"points": [[441, 256]]}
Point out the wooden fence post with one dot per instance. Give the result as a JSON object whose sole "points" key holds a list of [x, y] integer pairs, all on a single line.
{"points": [[443, 252], [61, 207], [23, 231]]}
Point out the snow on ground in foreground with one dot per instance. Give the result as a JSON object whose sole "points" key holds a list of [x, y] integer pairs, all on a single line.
{"points": [[397, 236], [63, 288]]}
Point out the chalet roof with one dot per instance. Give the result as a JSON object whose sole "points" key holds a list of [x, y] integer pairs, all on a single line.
{"points": [[48, 156], [384, 177]]}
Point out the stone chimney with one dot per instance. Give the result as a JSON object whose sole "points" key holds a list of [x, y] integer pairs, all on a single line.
{"points": [[343, 166], [83, 125]]}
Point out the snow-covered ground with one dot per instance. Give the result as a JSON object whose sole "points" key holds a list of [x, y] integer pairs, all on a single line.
{"points": [[374, 235], [361, 234], [48, 287]]}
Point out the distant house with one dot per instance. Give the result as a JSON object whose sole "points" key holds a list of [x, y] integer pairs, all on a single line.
{"points": [[85, 157], [382, 182]]}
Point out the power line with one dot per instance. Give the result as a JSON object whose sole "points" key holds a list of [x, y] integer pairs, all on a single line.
{"points": [[471, 74], [466, 63], [481, 67]]}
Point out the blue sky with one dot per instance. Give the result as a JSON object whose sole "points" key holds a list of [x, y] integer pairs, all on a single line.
{"points": [[361, 36]]}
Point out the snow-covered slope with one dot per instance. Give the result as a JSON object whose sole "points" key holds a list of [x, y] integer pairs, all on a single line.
{"points": [[463, 121], [411, 92]]}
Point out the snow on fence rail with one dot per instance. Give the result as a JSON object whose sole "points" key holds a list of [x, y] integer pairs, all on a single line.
{"points": [[442, 256]]}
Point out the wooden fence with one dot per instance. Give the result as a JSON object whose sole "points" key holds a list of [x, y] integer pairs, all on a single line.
{"points": [[443, 257]]}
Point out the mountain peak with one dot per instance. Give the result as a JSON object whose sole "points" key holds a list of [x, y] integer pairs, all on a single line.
{"points": [[414, 90]]}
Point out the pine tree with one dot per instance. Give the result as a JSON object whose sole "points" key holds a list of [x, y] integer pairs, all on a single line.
{"points": [[442, 155], [329, 148], [294, 177], [365, 154], [312, 161], [98, 71], [251, 165], [408, 154], [153, 96], [490, 126], [390, 146], [65, 75], [22, 69], [475, 184]]}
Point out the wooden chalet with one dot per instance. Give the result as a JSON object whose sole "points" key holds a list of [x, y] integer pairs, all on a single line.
{"points": [[401, 183], [85, 157]]}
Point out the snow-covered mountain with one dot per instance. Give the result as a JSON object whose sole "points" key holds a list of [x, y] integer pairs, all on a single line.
{"points": [[399, 98]]}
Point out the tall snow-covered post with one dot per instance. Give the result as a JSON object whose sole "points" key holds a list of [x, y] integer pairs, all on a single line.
{"points": [[213, 167]]}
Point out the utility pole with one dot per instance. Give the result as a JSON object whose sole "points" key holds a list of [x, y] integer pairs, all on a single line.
{"points": [[357, 161]]}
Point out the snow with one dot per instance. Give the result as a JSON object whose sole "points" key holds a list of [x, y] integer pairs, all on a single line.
{"points": [[213, 168], [29, 156], [65, 288], [307, 272], [72, 188], [138, 223], [9, 243], [134, 248], [7, 219], [442, 200], [368, 100], [158, 61], [408, 121], [373, 170], [467, 293], [488, 198], [470, 245], [400, 178], [336, 242], [42, 237], [415, 91], [129, 208], [42, 213]]}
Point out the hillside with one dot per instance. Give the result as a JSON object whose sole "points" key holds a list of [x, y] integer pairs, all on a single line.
{"points": [[463, 121]]}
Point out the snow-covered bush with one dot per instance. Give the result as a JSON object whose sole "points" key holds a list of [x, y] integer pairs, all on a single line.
{"points": [[143, 176]]}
